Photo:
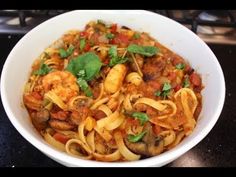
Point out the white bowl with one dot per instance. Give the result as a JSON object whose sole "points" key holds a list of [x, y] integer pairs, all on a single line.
{"points": [[168, 32]]}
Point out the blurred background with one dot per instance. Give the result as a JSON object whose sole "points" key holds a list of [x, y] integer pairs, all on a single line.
{"points": [[216, 28]]}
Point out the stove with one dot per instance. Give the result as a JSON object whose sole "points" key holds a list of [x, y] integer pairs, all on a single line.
{"points": [[212, 26], [216, 28]]}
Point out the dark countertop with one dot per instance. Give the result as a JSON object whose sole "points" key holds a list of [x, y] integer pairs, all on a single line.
{"points": [[217, 149]]}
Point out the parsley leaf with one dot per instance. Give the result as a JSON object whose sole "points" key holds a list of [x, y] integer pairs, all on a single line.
{"points": [[166, 87], [136, 138], [141, 116], [65, 53], [110, 36], [82, 43], [43, 70], [70, 50], [180, 66], [136, 36], [165, 94], [81, 73], [85, 67], [115, 59], [113, 51], [157, 93], [143, 50], [165, 91], [186, 82], [84, 87], [89, 62]]}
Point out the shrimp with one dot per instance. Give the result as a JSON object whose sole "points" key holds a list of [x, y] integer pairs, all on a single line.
{"points": [[115, 78], [63, 84]]}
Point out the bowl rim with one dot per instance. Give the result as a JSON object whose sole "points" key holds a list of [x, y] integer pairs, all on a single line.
{"points": [[68, 160]]}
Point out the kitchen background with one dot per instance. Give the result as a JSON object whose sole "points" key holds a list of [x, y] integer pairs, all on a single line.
{"points": [[216, 28]]}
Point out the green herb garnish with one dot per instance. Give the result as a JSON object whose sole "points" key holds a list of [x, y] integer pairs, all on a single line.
{"points": [[136, 36], [143, 50], [113, 51], [186, 82], [65, 53], [166, 87], [84, 87], [85, 67], [157, 93], [115, 59], [81, 73], [136, 138], [142, 117], [180, 66], [43, 70], [82, 43], [165, 91], [110, 36], [89, 62]]}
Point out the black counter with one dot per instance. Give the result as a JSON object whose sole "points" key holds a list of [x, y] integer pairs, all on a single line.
{"points": [[217, 149]]}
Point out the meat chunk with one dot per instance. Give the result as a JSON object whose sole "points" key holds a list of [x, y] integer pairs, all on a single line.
{"points": [[60, 115], [81, 114], [140, 62], [195, 79], [40, 118], [98, 114], [152, 68], [60, 125]]}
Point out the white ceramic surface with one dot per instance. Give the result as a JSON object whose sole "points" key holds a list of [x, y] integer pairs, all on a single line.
{"points": [[168, 32]]}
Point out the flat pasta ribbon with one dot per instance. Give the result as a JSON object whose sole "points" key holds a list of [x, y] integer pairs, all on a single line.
{"points": [[150, 102], [123, 149]]}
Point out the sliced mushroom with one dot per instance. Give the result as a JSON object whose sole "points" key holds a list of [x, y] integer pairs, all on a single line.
{"points": [[139, 147], [156, 149], [149, 146]]}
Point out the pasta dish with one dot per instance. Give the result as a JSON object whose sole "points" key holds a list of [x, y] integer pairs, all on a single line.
{"points": [[110, 93]]}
